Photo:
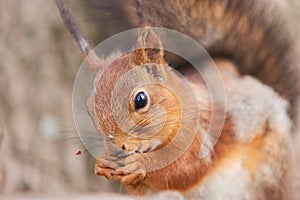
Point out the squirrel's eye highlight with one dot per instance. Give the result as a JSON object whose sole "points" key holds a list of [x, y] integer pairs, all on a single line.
{"points": [[140, 100]]}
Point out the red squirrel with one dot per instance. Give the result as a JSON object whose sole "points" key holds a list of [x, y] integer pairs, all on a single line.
{"points": [[256, 57]]}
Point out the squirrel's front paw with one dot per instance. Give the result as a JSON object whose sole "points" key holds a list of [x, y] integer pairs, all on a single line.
{"points": [[129, 170], [102, 170]]}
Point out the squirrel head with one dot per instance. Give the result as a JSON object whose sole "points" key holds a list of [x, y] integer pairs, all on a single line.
{"points": [[131, 106]]}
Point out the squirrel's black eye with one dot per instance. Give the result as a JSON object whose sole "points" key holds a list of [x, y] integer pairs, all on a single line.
{"points": [[140, 100]]}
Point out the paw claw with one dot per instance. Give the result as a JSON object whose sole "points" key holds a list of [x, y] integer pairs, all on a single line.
{"points": [[101, 170]]}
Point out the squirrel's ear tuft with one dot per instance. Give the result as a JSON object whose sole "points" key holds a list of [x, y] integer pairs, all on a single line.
{"points": [[149, 48]]}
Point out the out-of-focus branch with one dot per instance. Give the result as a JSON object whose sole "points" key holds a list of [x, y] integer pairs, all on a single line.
{"points": [[140, 13], [86, 51]]}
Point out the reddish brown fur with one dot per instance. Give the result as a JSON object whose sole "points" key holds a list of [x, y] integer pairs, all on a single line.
{"points": [[189, 170], [222, 27]]}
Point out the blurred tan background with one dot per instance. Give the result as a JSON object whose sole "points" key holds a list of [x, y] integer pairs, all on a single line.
{"points": [[38, 64]]}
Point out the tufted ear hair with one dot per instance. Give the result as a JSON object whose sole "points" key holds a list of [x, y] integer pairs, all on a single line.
{"points": [[149, 48]]}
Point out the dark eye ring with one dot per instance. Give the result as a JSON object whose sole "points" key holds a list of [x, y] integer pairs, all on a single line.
{"points": [[140, 100]]}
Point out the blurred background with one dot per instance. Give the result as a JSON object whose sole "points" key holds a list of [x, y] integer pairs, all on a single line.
{"points": [[38, 65]]}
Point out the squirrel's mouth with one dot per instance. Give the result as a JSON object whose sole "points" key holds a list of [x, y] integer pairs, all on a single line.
{"points": [[153, 145], [143, 147]]}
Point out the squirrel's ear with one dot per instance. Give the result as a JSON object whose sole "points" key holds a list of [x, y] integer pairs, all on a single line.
{"points": [[150, 45]]}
